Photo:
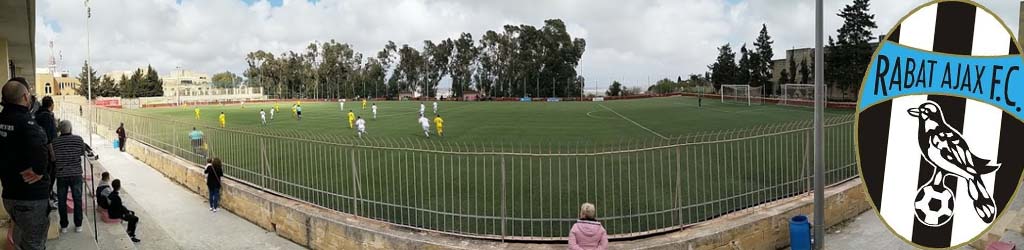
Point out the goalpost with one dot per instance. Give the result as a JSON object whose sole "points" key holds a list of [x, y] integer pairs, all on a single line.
{"points": [[794, 94], [738, 93]]}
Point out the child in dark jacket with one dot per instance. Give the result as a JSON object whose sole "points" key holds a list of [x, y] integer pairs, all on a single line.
{"points": [[119, 211]]}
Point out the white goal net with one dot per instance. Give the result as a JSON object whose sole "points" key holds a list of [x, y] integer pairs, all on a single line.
{"points": [[742, 94], [798, 94]]}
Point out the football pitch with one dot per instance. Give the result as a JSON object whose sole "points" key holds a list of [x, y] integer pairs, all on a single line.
{"points": [[516, 169], [511, 123]]}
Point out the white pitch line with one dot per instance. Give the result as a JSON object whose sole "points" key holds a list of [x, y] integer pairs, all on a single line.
{"points": [[599, 117], [635, 123]]}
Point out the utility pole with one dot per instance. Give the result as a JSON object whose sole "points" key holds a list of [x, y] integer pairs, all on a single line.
{"points": [[819, 131]]}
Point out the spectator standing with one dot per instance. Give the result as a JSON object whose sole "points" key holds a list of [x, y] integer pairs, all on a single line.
{"points": [[196, 137], [121, 136], [588, 233], [119, 211], [44, 118], [69, 150], [214, 172], [23, 173]]}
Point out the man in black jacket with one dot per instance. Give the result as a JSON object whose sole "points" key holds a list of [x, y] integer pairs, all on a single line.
{"points": [[118, 211], [46, 120], [23, 173]]}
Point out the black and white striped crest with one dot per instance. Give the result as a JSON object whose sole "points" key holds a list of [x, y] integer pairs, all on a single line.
{"points": [[939, 166]]}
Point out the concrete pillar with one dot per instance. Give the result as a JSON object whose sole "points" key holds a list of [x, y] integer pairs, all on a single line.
{"points": [[5, 61]]}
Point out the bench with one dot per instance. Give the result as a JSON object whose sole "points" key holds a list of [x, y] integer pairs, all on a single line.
{"points": [[71, 204], [105, 217]]}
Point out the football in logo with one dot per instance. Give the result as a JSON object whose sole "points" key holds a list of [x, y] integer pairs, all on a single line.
{"points": [[939, 124]]}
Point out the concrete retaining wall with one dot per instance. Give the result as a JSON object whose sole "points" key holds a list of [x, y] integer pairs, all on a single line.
{"points": [[762, 227]]}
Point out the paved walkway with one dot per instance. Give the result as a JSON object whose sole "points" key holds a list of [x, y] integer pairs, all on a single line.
{"points": [[866, 231], [172, 217]]}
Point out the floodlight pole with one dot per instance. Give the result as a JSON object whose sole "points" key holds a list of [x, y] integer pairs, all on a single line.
{"points": [[92, 128], [819, 131]]}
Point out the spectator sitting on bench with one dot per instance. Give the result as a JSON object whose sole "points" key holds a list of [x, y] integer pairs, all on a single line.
{"points": [[103, 190], [118, 211]]}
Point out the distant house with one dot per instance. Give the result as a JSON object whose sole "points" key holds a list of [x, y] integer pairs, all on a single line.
{"points": [[471, 95], [405, 95]]}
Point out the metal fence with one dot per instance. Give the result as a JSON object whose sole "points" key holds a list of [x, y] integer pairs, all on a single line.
{"points": [[521, 192]]}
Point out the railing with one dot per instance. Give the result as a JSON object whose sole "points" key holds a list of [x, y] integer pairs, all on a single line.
{"points": [[521, 192]]}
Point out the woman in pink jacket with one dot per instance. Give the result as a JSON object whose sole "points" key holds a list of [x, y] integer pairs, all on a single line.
{"points": [[588, 233]]}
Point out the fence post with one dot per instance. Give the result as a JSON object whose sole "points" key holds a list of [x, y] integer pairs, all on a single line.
{"points": [[808, 167], [679, 188], [263, 163], [503, 217], [355, 194]]}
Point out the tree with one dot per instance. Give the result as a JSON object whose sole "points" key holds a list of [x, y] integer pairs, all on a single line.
{"points": [[386, 57], [761, 70], [83, 80], [107, 87], [615, 89], [805, 73], [631, 91], [665, 86], [784, 76], [724, 70], [436, 60], [849, 55], [746, 64], [792, 70], [463, 57], [225, 79], [518, 59], [409, 69], [150, 83]]}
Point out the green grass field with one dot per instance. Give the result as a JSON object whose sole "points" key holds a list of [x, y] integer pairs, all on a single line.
{"points": [[517, 169], [602, 123]]}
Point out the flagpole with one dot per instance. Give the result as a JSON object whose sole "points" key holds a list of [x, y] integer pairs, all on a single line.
{"points": [[819, 133]]}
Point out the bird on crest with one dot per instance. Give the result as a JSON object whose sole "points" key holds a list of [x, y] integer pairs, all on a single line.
{"points": [[945, 148]]}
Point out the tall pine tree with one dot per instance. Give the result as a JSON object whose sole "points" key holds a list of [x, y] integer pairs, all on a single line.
{"points": [[724, 70], [88, 73], [747, 58], [761, 70], [851, 52]]}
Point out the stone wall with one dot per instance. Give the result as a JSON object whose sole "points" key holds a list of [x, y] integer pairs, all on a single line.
{"points": [[762, 227]]}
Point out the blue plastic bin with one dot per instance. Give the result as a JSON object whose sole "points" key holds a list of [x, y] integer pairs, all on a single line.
{"points": [[117, 144], [799, 233]]}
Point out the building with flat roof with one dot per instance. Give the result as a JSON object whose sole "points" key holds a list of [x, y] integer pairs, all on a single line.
{"points": [[51, 83], [182, 82]]}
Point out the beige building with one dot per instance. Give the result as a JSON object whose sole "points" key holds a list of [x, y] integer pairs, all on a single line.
{"points": [[795, 55], [48, 83], [181, 82]]}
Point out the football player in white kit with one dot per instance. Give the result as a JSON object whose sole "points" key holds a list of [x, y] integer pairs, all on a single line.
{"points": [[263, 117], [425, 124], [435, 107], [271, 114], [423, 108], [341, 104], [374, 108], [360, 126]]}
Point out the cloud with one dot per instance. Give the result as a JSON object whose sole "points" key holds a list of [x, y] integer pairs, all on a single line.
{"points": [[629, 41]]}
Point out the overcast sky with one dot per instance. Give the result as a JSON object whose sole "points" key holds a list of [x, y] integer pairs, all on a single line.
{"points": [[629, 41]]}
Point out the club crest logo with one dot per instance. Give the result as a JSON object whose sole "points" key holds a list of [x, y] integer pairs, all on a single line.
{"points": [[939, 124]]}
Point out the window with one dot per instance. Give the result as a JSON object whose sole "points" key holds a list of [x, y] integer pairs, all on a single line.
{"points": [[48, 89]]}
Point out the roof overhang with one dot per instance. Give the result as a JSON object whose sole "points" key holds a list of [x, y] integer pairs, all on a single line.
{"points": [[18, 27]]}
